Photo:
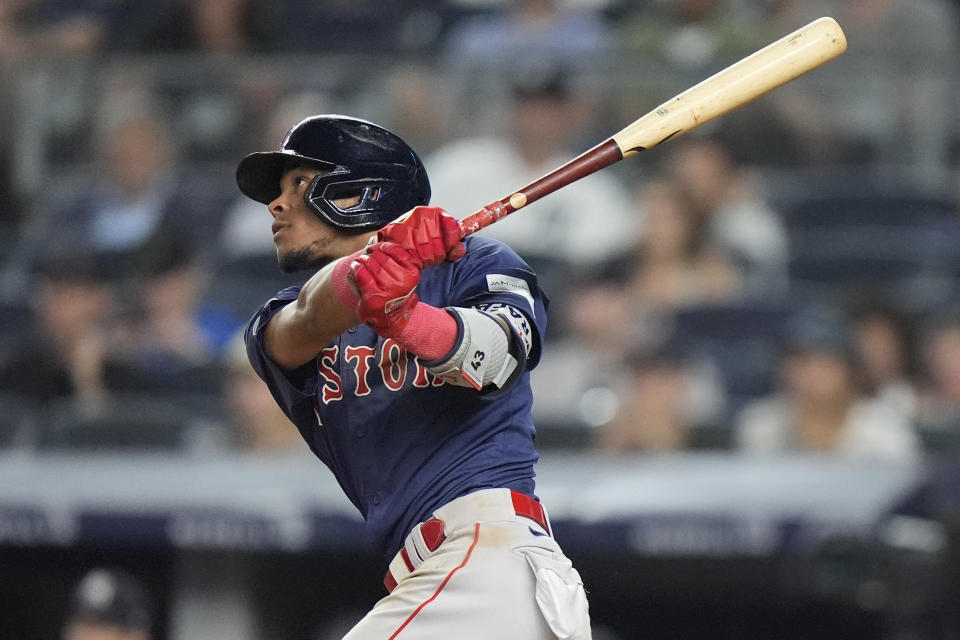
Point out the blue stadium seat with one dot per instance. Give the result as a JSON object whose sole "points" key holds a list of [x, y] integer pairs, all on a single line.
{"points": [[863, 200], [15, 320], [17, 414], [135, 422], [742, 339], [865, 231], [908, 263]]}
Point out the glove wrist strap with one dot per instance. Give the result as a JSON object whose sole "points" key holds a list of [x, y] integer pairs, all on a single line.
{"points": [[430, 332], [340, 281]]}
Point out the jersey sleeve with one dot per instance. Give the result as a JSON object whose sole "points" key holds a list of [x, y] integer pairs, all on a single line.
{"points": [[294, 390], [491, 276]]}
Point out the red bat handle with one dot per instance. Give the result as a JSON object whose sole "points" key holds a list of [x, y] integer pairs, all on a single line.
{"points": [[602, 155]]}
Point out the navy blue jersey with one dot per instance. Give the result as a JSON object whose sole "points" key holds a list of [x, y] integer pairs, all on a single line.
{"points": [[400, 442]]}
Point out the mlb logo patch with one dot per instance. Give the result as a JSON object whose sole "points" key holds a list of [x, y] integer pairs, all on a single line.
{"points": [[497, 282]]}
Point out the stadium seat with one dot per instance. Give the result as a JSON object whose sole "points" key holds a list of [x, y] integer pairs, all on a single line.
{"points": [[862, 200], [741, 339], [15, 320], [864, 231], [143, 422], [16, 420], [905, 262]]}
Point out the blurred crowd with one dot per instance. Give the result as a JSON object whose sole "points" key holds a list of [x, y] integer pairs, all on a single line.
{"points": [[784, 279]]}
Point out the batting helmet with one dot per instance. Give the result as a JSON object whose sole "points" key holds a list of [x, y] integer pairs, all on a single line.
{"points": [[354, 157]]}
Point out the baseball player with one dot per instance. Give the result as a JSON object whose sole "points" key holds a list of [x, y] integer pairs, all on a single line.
{"points": [[404, 362]]}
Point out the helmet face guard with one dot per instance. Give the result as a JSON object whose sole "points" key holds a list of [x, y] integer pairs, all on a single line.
{"points": [[354, 157], [381, 183]]}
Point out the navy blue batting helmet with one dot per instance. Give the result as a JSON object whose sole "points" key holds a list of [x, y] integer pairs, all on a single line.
{"points": [[355, 157]]}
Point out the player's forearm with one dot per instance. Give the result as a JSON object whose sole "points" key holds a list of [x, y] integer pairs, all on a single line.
{"points": [[299, 331]]}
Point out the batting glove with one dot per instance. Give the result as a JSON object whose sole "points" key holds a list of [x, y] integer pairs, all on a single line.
{"points": [[386, 275], [429, 234]]}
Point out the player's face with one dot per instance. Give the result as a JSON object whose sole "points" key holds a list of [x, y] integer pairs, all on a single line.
{"points": [[303, 240]]}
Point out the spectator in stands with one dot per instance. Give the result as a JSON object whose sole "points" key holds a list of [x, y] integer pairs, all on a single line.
{"points": [[62, 355], [201, 26], [174, 337], [410, 96], [884, 341], [260, 424], [858, 116], [737, 216], [109, 604], [34, 33], [693, 33], [138, 159], [673, 264], [557, 235], [541, 30], [677, 262], [628, 302], [32, 29], [357, 26], [38, 29], [666, 403], [134, 192], [938, 410], [819, 407]]}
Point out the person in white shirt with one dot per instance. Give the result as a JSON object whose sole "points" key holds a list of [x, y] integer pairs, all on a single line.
{"points": [[819, 406], [571, 226]]}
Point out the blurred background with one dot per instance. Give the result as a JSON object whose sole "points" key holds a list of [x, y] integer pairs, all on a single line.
{"points": [[749, 404]]}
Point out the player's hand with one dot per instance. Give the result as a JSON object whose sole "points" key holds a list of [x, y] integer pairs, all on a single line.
{"points": [[386, 275], [428, 233]]}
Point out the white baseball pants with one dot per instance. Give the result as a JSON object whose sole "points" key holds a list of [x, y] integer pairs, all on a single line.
{"points": [[483, 571]]}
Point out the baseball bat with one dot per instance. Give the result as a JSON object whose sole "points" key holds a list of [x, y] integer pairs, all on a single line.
{"points": [[745, 80]]}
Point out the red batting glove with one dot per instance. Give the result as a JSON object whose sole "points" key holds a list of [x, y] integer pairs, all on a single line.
{"points": [[428, 233], [386, 275]]}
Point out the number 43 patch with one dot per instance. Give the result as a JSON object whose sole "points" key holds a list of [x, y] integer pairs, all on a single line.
{"points": [[475, 367]]}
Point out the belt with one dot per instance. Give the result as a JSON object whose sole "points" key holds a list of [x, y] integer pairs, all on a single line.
{"points": [[480, 506]]}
